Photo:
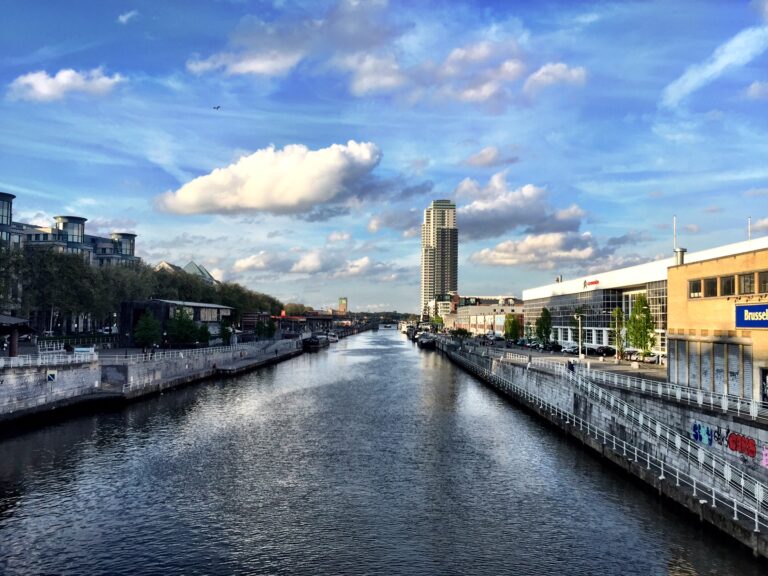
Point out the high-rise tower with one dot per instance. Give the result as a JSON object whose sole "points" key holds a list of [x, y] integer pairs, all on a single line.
{"points": [[439, 252]]}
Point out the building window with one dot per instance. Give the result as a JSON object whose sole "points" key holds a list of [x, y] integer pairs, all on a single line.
{"points": [[746, 283], [710, 287], [694, 289], [762, 282], [727, 286]]}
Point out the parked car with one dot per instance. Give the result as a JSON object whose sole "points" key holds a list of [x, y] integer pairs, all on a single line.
{"points": [[607, 351], [571, 349]]}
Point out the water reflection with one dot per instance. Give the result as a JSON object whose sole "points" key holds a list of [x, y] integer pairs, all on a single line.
{"points": [[370, 457]]}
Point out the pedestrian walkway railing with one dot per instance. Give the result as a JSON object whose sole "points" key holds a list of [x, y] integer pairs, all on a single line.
{"points": [[158, 355], [727, 403], [48, 359], [723, 487]]}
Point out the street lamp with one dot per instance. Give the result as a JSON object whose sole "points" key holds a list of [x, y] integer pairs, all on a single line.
{"points": [[578, 317]]}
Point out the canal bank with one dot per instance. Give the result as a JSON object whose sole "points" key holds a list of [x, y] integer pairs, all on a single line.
{"points": [[647, 434], [31, 387]]}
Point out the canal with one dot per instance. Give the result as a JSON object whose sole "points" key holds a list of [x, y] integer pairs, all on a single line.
{"points": [[371, 457]]}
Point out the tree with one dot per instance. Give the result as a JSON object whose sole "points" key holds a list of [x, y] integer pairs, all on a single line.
{"points": [[512, 326], [204, 334], [182, 329], [147, 331], [437, 320], [544, 326], [617, 330], [460, 333], [225, 330], [640, 328]]}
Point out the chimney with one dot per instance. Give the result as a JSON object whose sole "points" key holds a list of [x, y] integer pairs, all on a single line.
{"points": [[680, 256]]}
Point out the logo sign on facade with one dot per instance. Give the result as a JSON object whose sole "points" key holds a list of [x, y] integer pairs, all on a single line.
{"points": [[51, 376], [591, 283], [752, 316]]}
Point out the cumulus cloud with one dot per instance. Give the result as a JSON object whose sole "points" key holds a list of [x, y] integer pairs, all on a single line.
{"points": [[496, 209], [262, 260], [736, 52], [127, 17], [105, 226], [761, 225], [401, 220], [274, 48], [490, 156], [371, 74], [39, 86], [757, 91], [290, 180], [544, 251], [692, 228], [554, 73]]}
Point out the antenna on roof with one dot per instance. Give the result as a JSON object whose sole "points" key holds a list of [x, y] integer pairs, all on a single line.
{"points": [[674, 232], [749, 228]]}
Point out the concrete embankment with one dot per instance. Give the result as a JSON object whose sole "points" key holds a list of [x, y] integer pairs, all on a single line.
{"points": [[34, 386], [648, 437]]}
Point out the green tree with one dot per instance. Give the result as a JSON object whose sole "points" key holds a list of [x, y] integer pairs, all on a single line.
{"points": [[460, 333], [225, 330], [544, 326], [617, 330], [640, 328], [182, 329], [437, 320], [512, 326], [203, 334], [147, 331]]}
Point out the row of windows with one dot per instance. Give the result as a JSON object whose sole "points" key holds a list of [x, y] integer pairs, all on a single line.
{"points": [[728, 285]]}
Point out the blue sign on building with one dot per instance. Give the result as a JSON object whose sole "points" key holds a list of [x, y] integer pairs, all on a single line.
{"points": [[752, 316]]}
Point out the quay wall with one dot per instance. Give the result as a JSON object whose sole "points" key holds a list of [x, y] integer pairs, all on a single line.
{"points": [[723, 491], [28, 389], [148, 373]]}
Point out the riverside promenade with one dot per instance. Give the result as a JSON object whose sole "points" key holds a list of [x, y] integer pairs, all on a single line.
{"points": [[705, 451], [36, 384]]}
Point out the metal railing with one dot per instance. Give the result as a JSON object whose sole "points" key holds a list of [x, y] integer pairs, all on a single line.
{"points": [[736, 490], [48, 359], [727, 403]]}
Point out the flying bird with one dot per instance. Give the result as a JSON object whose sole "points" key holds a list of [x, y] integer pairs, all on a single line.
{"points": [[217, 107]]}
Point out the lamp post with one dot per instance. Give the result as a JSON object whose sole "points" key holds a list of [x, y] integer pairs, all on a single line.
{"points": [[578, 318]]}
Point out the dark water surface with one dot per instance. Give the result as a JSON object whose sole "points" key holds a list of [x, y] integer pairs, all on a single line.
{"points": [[368, 458]]}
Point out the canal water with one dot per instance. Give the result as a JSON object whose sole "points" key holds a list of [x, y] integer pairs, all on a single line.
{"points": [[372, 457]]}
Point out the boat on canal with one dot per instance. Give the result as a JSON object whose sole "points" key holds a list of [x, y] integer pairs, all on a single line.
{"points": [[315, 342], [426, 341]]}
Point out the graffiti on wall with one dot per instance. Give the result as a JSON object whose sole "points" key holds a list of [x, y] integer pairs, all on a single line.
{"points": [[732, 441]]}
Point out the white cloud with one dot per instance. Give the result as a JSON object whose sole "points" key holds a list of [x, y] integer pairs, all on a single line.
{"points": [[263, 260], [543, 251], [736, 52], [309, 263], [551, 74], [357, 267], [372, 74], [336, 236], [490, 156], [267, 63], [758, 91], [39, 86], [495, 209], [761, 225], [127, 17], [287, 181], [692, 228], [756, 192]]}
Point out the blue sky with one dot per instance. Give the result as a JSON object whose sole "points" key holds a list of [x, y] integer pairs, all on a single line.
{"points": [[568, 133]]}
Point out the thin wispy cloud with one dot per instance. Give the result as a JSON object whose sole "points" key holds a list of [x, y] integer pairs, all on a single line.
{"points": [[128, 16], [736, 52]]}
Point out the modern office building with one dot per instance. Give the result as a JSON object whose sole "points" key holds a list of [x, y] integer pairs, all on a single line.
{"points": [[593, 297], [439, 253], [718, 322], [67, 235]]}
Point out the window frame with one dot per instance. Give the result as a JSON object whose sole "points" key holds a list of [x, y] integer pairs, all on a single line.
{"points": [[723, 287], [698, 293], [704, 290]]}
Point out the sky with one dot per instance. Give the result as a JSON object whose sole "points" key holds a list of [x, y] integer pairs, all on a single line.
{"points": [[293, 146]]}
